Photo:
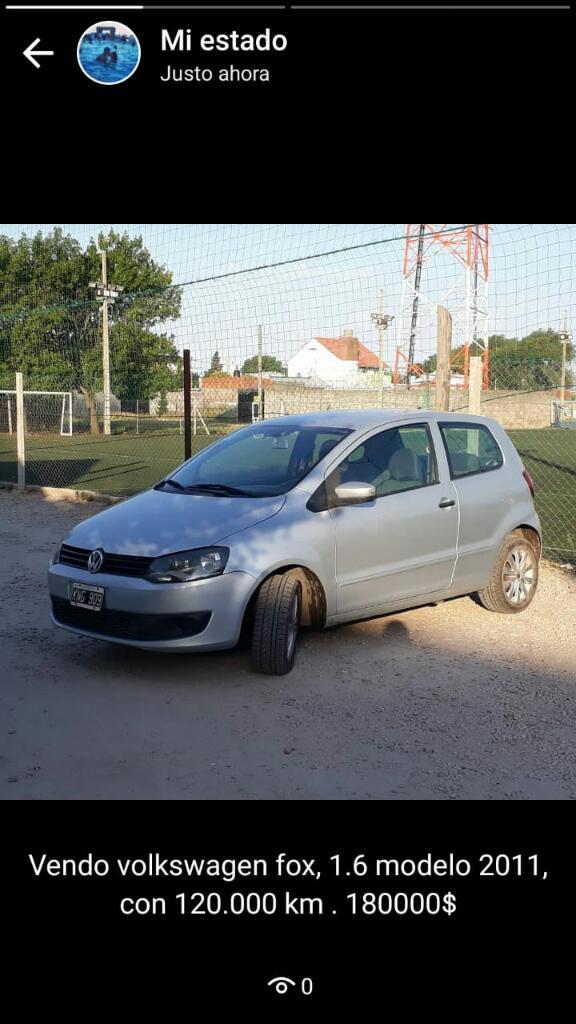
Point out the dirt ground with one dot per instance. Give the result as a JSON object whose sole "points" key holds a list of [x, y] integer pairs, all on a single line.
{"points": [[449, 702]]}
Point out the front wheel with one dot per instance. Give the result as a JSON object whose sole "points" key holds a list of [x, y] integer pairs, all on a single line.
{"points": [[277, 624], [514, 578]]}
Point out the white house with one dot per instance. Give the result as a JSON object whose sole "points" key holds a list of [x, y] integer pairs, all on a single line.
{"points": [[341, 361]]}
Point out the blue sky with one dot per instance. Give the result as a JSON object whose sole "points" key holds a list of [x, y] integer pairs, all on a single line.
{"points": [[531, 283]]}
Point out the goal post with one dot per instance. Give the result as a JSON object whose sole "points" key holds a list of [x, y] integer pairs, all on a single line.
{"points": [[59, 412]]}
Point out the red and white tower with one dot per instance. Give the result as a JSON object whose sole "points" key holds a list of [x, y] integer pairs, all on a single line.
{"points": [[460, 284]]}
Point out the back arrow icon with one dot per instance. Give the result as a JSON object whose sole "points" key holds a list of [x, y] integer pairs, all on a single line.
{"points": [[31, 53]]}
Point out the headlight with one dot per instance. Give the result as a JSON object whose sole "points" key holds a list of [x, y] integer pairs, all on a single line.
{"points": [[188, 565]]}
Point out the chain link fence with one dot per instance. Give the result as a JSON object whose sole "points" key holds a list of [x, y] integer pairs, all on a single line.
{"points": [[279, 319]]}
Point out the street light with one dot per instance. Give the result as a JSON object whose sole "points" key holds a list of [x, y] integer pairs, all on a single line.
{"points": [[382, 321]]}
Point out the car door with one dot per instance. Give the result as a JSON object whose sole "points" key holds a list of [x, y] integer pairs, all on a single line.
{"points": [[477, 468], [403, 543]]}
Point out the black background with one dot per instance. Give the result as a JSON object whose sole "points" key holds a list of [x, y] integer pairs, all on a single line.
{"points": [[414, 104], [506, 950]]}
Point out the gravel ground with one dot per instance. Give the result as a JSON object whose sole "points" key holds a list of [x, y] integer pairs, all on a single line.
{"points": [[439, 703]]}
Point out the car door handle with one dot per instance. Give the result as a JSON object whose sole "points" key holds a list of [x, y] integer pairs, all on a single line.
{"points": [[446, 503]]}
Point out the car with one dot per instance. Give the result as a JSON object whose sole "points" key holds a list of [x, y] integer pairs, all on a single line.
{"points": [[305, 521]]}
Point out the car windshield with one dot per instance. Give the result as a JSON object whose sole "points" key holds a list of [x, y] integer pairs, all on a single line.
{"points": [[259, 461]]}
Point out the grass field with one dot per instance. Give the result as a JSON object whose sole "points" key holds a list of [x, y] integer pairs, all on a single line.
{"points": [[119, 464], [127, 463], [550, 457]]}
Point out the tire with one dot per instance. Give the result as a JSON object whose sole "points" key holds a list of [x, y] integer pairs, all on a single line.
{"points": [[514, 578], [276, 624]]}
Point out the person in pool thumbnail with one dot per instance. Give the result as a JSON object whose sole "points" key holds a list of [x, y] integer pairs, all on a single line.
{"points": [[108, 56]]}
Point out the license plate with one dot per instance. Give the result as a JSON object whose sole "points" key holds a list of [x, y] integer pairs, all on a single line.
{"points": [[84, 596]]}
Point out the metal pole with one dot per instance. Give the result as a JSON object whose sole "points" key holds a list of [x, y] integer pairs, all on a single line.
{"points": [[9, 400], [187, 407], [137, 416], [417, 278], [105, 347], [381, 332], [260, 393], [20, 432]]}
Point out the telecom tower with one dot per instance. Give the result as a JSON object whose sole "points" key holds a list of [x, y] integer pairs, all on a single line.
{"points": [[464, 295]]}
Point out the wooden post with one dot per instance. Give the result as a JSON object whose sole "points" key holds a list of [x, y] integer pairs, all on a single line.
{"points": [[20, 432], [187, 407], [443, 348], [475, 389]]}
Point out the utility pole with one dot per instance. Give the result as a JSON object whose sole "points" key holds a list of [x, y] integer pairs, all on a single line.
{"points": [[382, 321], [105, 346], [106, 296]]}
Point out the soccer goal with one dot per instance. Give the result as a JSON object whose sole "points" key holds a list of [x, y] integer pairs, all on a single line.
{"points": [[44, 412]]}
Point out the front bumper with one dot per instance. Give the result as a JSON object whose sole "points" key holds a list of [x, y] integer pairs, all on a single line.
{"points": [[137, 612]]}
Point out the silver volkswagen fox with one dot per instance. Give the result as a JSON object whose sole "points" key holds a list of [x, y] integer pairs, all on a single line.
{"points": [[310, 520]]}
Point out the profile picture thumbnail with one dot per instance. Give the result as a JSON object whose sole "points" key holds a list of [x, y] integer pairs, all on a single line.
{"points": [[108, 52]]}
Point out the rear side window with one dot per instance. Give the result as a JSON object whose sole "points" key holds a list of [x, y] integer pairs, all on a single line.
{"points": [[471, 448]]}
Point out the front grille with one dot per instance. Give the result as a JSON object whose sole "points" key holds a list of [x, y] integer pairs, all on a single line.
{"points": [[114, 565], [128, 625]]}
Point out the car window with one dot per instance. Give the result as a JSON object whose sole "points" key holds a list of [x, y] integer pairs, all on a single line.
{"points": [[470, 449], [397, 459]]}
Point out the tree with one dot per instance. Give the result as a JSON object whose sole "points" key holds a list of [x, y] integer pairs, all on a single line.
{"points": [[527, 364], [51, 324], [269, 363], [215, 365]]}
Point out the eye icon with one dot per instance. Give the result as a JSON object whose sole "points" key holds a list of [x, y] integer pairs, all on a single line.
{"points": [[281, 985]]}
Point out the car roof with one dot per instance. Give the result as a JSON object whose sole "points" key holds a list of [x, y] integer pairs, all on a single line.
{"points": [[363, 419]]}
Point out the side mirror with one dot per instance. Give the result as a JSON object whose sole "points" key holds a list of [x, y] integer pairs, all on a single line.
{"points": [[354, 493]]}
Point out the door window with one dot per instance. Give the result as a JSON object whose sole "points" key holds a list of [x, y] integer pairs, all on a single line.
{"points": [[396, 459], [471, 448]]}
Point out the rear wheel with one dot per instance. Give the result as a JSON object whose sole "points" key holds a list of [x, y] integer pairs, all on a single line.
{"points": [[277, 624], [514, 578]]}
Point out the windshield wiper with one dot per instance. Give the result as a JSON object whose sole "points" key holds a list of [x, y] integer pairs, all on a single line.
{"points": [[173, 483], [217, 489], [223, 489]]}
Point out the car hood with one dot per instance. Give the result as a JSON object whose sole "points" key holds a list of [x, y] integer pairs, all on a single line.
{"points": [[159, 522]]}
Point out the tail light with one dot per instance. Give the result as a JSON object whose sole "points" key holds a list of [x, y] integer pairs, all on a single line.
{"points": [[529, 481]]}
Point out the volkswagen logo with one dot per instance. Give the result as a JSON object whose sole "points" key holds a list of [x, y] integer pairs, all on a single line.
{"points": [[95, 560]]}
